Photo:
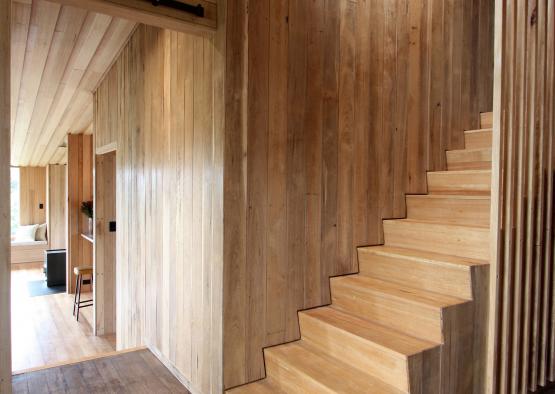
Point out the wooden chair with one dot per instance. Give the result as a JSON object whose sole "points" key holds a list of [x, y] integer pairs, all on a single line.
{"points": [[77, 303]]}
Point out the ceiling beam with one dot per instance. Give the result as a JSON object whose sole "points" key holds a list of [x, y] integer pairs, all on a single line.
{"points": [[142, 11]]}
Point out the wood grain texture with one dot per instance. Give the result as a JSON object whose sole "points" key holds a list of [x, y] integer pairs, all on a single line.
{"points": [[105, 244], [57, 206], [331, 120], [137, 370], [5, 98], [32, 192], [79, 190], [169, 197], [59, 53], [521, 341], [47, 332]]}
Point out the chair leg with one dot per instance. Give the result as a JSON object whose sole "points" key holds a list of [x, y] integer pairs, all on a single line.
{"points": [[75, 298], [79, 296]]}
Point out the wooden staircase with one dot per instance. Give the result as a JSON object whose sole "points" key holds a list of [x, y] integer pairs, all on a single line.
{"points": [[413, 319]]}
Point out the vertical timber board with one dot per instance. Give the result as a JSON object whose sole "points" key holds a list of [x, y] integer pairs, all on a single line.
{"points": [[5, 329]]}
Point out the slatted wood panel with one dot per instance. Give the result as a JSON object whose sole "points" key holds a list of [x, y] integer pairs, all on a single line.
{"points": [[59, 55], [335, 110], [57, 206], [5, 325], [105, 243], [32, 193], [169, 198], [522, 345], [79, 189]]}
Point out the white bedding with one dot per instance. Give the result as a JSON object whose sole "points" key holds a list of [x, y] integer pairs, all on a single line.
{"points": [[29, 243]]}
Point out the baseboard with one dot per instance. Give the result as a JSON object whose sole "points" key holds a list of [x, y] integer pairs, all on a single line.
{"points": [[174, 371]]}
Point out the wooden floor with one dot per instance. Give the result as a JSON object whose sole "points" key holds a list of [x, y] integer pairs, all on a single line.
{"points": [[133, 372], [44, 332]]}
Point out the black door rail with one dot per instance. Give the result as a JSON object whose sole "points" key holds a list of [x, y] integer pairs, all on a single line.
{"points": [[197, 10]]}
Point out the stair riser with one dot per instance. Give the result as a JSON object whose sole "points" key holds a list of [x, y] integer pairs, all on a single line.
{"points": [[472, 242], [417, 320], [469, 160], [444, 279], [486, 120], [289, 379], [450, 210], [355, 351], [459, 183], [478, 140]]}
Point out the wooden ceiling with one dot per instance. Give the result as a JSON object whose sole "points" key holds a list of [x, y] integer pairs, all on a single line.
{"points": [[59, 56]]}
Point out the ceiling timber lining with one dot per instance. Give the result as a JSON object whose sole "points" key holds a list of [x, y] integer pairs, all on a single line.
{"points": [[59, 55]]}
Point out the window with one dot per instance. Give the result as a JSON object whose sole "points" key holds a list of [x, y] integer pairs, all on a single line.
{"points": [[14, 195]]}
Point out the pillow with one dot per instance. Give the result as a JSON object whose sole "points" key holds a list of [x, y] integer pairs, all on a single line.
{"points": [[40, 235], [26, 233]]}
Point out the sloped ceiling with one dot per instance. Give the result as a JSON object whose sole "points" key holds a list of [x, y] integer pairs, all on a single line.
{"points": [[59, 55]]}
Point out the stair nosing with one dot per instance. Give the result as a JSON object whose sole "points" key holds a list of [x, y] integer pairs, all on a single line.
{"points": [[436, 223]]}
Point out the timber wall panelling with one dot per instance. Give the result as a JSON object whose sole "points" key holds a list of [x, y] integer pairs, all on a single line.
{"points": [[5, 268], [79, 189], [57, 206], [522, 340], [330, 120], [168, 129], [32, 194], [105, 243]]}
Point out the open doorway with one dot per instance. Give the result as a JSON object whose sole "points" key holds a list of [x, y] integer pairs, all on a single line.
{"points": [[59, 55]]}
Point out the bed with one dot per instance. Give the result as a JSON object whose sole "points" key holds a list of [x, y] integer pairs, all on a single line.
{"points": [[28, 252]]}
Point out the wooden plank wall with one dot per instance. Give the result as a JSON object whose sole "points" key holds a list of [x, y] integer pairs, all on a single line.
{"points": [[32, 192], [522, 340], [334, 110], [79, 189], [57, 206], [105, 243], [169, 133], [5, 266]]}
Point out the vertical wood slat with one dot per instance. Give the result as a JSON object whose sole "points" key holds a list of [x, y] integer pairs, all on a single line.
{"points": [[5, 271], [522, 304]]}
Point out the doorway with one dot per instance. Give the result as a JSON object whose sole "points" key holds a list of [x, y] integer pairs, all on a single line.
{"points": [[105, 244]]}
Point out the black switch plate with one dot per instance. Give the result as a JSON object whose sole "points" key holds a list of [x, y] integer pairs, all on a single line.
{"points": [[112, 227]]}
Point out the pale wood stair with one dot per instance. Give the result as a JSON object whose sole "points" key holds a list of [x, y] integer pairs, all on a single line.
{"points": [[413, 319]]}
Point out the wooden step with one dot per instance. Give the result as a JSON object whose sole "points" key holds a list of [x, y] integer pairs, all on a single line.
{"points": [[469, 159], [469, 182], [299, 368], [263, 386], [478, 139], [377, 350], [428, 271], [456, 240], [451, 209], [412, 311], [486, 120]]}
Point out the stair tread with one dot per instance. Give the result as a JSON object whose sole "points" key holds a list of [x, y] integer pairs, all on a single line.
{"points": [[470, 150], [420, 255], [451, 196], [263, 386], [461, 172], [329, 372], [399, 291], [436, 223], [385, 337], [487, 129]]}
